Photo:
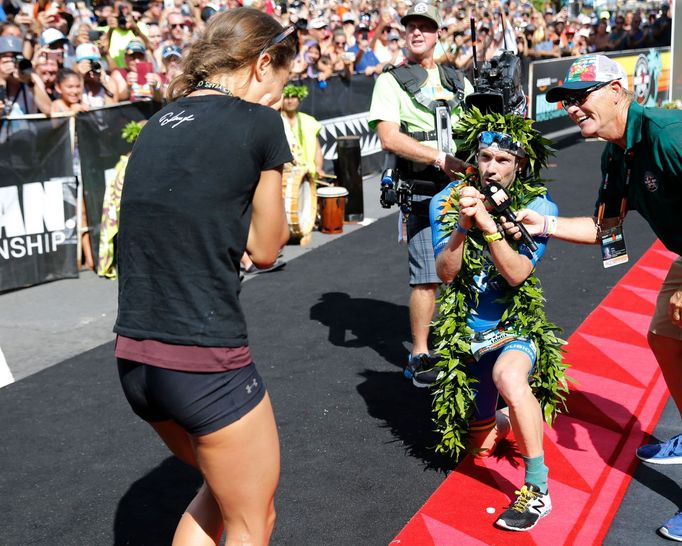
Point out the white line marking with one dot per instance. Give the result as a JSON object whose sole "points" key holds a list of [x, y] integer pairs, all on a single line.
{"points": [[5, 374]]}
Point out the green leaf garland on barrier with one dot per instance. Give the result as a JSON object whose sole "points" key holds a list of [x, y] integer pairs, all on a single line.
{"points": [[453, 395]]}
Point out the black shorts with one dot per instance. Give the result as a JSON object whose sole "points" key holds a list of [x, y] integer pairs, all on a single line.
{"points": [[199, 402]]}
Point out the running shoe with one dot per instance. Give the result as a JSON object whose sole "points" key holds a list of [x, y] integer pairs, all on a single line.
{"points": [[422, 370], [253, 270], [530, 505], [669, 452], [672, 528]]}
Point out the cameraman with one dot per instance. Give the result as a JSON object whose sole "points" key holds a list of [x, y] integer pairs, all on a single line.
{"points": [[420, 162], [21, 91]]}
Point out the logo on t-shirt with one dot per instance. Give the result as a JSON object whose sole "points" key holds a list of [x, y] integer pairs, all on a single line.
{"points": [[175, 119], [433, 89], [650, 181]]}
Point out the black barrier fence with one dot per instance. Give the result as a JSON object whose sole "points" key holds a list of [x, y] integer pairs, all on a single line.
{"points": [[36, 158], [38, 202], [101, 146], [341, 105]]}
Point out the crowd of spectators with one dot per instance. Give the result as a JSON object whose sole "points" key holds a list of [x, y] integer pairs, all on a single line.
{"points": [[107, 52]]}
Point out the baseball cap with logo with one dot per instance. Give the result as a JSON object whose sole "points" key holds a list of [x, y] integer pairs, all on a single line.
{"points": [[135, 46], [52, 36], [318, 23], [422, 9], [348, 17], [586, 72], [87, 52], [171, 51], [10, 44]]}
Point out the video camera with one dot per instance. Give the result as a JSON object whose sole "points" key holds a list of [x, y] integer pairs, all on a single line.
{"points": [[395, 191], [428, 181], [497, 84]]}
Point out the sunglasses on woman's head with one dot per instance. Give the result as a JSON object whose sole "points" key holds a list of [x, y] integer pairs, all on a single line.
{"points": [[288, 31], [579, 98]]}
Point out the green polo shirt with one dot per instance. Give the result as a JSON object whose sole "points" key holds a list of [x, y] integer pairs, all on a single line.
{"points": [[654, 146], [391, 103]]}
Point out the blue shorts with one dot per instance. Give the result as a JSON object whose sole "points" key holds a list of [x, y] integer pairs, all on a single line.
{"points": [[420, 248], [199, 402], [486, 393]]}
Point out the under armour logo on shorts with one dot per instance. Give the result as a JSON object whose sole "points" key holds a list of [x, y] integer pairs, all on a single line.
{"points": [[253, 385]]}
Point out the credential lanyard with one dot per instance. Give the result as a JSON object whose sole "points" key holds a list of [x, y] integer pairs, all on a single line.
{"points": [[624, 201]]}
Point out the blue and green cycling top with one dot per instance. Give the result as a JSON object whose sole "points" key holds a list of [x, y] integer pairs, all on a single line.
{"points": [[491, 286]]}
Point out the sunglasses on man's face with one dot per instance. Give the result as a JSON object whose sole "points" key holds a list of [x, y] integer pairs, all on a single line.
{"points": [[177, 25], [340, 43], [579, 98]]}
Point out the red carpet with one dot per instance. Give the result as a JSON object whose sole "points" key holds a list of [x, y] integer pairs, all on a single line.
{"points": [[614, 406]]}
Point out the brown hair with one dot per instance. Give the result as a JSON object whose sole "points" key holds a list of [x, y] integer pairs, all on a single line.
{"points": [[65, 73], [233, 40]]}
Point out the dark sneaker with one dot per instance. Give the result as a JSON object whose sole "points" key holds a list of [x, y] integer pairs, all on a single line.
{"points": [[672, 528], [669, 452], [253, 270], [422, 370], [530, 505]]}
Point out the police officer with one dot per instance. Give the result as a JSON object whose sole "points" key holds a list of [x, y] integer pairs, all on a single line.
{"points": [[409, 103]]}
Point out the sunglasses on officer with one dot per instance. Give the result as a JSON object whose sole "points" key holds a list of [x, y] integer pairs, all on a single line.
{"points": [[577, 99], [503, 141]]}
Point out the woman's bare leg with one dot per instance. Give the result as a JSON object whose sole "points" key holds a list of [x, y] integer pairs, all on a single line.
{"points": [[202, 522], [240, 464]]}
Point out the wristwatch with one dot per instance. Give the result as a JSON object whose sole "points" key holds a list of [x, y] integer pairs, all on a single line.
{"points": [[490, 237]]}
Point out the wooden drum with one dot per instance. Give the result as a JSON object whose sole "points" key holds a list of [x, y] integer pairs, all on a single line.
{"points": [[300, 200]]}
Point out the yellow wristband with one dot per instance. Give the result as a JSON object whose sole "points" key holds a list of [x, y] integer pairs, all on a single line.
{"points": [[490, 237]]}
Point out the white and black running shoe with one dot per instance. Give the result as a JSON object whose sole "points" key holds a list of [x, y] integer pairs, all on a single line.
{"points": [[530, 505]]}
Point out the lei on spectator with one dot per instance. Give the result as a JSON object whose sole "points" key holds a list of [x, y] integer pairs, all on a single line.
{"points": [[453, 401], [291, 90]]}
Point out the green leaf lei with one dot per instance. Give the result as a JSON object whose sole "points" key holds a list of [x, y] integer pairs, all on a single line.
{"points": [[453, 401]]}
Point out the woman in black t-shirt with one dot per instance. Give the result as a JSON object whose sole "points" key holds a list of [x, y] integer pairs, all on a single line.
{"points": [[203, 185]]}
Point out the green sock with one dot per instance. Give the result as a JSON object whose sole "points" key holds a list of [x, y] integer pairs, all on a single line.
{"points": [[536, 471]]}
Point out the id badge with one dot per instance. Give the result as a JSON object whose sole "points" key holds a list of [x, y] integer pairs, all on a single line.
{"points": [[613, 249]]}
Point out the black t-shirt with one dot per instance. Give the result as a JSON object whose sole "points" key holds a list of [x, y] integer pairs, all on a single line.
{"points": [[185, 215]]}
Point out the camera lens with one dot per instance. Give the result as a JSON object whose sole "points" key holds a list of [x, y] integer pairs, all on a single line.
{"points": [[95, 67], [23, 65]]}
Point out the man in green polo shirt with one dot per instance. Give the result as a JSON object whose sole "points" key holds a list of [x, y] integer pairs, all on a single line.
{"points": [[641, 170], [392, 107]]}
